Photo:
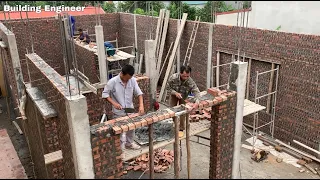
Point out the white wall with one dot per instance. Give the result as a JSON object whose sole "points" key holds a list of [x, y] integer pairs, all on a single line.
{"points": [[231, 19], [294, 16]]}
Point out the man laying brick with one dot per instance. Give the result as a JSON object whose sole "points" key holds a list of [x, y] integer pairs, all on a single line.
{"points": [[180, 86], [119, 92], [84, 37]]}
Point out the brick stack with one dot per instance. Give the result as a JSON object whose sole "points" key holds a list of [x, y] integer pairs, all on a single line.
{"points": [[222, 136]]}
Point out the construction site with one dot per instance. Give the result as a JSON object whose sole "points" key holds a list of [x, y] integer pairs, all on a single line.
{"points": [[257, 116]]}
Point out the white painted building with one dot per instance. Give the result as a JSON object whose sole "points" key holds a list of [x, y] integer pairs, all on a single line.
{"points": [[291, 16]]}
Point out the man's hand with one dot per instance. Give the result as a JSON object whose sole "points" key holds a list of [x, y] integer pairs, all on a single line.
{"points": [[178, 95], [117, 106], [195, 106], [141, 110]]}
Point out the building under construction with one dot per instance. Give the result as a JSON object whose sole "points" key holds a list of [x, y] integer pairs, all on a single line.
{"points": [[252, 81]]}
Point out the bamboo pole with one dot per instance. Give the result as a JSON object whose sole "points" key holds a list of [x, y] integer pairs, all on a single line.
{"points": [[176, 149], [151, 155], [188, 146]]}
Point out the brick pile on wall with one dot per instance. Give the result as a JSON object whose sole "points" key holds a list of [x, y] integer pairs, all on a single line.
{"points": [[96, 104], [53, 86], [297, 106]]}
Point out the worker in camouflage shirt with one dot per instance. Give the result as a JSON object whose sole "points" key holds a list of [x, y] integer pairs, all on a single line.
{"points": [[180, 85]]}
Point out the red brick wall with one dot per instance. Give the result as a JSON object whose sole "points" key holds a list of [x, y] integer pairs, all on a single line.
{"points": [[297, 110], [46, 44], [42, 140], [109, 21], [297, 115], [55, 90], [222, 139], [106, 152], [87, 63]]}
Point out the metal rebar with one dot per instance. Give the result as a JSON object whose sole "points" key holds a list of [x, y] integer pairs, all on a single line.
{"points": [[268, 71], [275, 101], [65, 51], [66, 67], [221, 65], [73, 55], [5, 21], [30, 32], [266, 95], [99, 19]]}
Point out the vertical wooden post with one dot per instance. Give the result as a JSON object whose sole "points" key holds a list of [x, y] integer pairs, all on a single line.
{"points": [[151, 155], [176, 148], [178, 50], [248, 79], [188, 146], [218, 69], [270, 88]]}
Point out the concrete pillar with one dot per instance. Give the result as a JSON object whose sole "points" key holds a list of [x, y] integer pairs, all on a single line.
{"points": [[79, 129], [150, 61], [237, 82], [209, 65], [16, 64], [101, 54]]}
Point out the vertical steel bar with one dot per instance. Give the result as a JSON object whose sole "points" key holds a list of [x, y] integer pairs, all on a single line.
{"points": [[275, 100]]}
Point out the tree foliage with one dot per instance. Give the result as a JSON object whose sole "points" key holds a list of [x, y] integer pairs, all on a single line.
{"points": [[109, 7], [130, 6]]}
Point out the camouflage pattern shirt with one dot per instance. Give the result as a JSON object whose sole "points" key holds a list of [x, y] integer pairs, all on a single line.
{"points": [[186, 87]]}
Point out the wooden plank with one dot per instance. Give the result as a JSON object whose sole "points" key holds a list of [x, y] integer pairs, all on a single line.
{"points": [[252, 109], [176, 149], [124, 54], [248, 79], [209, 65], [184, 18], [53, 157], [178, 50], [270, 88], [159, 25], [296, 150], [135, 31], [160, 33], [163, 39], [164, 62], [17, 126], [140, 63]]}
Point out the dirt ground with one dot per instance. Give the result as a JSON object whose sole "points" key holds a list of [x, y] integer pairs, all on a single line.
{"points": [[249, 169], [18, 141]]}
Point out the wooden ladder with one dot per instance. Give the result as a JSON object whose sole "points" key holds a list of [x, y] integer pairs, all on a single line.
{"points": [[191, 41]]}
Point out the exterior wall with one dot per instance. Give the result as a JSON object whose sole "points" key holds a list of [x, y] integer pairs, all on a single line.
{"points": [[297, 115], [230, 18], [292, 16], [53, 87]]}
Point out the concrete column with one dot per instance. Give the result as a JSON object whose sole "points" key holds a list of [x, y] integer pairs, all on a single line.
{"points": [[79, 129], [101, 54], [209, 65], [150, 61], [237, 82], [16, 64]]}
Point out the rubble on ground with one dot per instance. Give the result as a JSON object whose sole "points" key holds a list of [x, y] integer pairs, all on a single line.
{"points": [[163, 158]]}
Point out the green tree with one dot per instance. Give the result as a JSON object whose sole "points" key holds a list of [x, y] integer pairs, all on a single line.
{"points": [[109, 7], [175, 8], [139, 11], [129, 6]]}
